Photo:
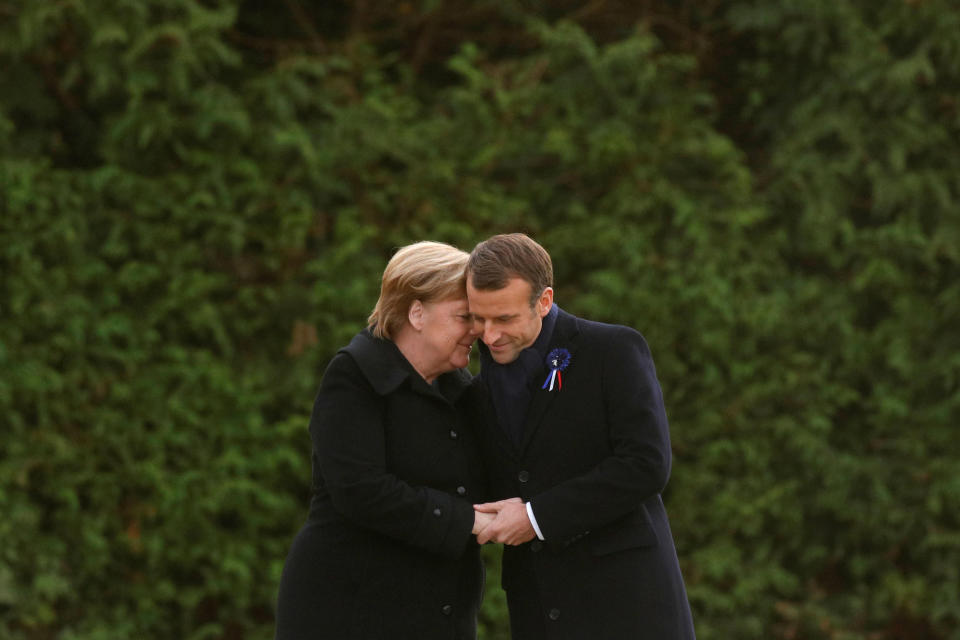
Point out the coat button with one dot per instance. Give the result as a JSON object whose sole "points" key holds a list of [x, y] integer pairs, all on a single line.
{"points": [[437, 512], [554, 614], [453, 434], [523, 476], [461, 491], [446, 609], [536, 545]]}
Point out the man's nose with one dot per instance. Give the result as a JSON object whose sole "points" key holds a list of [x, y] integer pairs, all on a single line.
{"points": [[490, 335], [482, 328]]}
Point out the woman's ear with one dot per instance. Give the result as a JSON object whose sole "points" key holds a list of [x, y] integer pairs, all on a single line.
{"points": [[415, 315]]}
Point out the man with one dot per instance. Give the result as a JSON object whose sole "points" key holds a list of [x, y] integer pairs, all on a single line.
{"points": [[577, 444]]}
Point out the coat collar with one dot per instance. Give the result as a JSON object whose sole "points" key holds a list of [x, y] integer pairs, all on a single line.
{"points": [[566, 329], [385, 368]]}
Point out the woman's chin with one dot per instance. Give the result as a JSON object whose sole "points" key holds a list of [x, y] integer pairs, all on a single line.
{"points": [[460, 359]]}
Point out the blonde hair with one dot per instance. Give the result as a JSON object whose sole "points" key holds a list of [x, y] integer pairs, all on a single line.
{"points": [[425, 271]]}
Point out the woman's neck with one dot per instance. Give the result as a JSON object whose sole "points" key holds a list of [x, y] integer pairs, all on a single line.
{"points": [[410, 345]]}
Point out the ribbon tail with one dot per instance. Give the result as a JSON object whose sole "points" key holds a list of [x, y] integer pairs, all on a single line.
{"points": [[559, 380], [553, 377], [547, 381]]}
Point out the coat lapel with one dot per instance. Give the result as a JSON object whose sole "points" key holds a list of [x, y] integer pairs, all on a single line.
{"points": [[564, 335]]}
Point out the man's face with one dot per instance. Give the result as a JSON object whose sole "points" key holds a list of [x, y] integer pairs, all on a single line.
{"points": [[506, 322]]}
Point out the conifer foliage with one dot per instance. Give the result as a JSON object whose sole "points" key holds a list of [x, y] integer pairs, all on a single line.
{"points": [[197, 198]]}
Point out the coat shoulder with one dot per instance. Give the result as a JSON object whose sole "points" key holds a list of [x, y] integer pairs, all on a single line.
{"points": [[343, 367], [378, 360], [609, 336]]}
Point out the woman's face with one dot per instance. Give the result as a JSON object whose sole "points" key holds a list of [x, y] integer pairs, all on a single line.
{"points": [[448, 333]]}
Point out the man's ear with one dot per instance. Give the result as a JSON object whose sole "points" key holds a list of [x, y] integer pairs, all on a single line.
{"points": [[545, 301], [415, 315]]}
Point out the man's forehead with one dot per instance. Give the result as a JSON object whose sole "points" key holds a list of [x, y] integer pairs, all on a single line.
{"points": [[515, 286], [505, 300]]}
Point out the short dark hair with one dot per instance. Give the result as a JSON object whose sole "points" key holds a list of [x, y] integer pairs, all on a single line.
{"points": [[496, 260]]}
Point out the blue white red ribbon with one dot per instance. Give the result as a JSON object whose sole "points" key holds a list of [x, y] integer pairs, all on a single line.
{"points": [[557, 361]]}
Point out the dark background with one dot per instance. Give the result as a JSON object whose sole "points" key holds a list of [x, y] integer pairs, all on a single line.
{"points": [[197, 198]]}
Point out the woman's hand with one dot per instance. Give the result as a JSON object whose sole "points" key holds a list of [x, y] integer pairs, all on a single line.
{"points": [[481, 521]]}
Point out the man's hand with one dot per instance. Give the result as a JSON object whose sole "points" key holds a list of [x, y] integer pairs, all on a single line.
{"points": [[511, 526], [494, 507], [481, 521]]}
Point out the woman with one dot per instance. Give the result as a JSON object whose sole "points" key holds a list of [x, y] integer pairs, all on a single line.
{"points": [[388, 549]]}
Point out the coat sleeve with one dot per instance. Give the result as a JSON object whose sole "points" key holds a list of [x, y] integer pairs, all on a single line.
{"points": [[639, 439], [349, 443]]}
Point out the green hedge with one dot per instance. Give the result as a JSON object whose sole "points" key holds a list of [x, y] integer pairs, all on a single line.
{"points": [[197, 198]]}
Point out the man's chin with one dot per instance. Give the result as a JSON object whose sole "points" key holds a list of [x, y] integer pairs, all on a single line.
{"points": [[503, 357]]}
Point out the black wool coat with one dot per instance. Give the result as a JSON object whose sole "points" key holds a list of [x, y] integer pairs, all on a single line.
{"points": [[387, 550], [593, 461]]}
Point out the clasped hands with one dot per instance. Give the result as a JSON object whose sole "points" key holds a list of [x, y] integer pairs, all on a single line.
{"points": [[505, 521]]}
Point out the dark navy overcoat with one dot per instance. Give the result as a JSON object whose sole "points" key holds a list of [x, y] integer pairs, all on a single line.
{"points": [[594, 460]]}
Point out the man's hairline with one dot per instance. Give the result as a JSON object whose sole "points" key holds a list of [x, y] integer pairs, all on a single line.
{"points": [[510, 276]]}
